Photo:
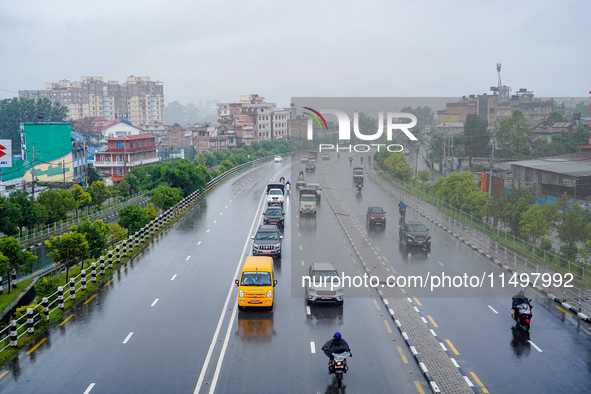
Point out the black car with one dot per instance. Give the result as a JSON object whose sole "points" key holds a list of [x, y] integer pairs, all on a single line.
{"points": [[414, 233], [267, 241], [274, 215]]}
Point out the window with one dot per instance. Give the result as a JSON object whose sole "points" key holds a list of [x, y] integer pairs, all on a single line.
{"points": [[143, 143]]}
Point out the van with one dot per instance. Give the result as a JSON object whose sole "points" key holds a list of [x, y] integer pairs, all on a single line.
{"points": [[256, 283], [308, 198]]}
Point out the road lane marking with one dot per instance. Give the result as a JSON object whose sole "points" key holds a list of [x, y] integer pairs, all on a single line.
{"points": [[378, 249], [218, 367], [88, 300], [68, 318], [385, 259], [452, 347], [484, 390], [308, 311], [402, 355], [89, 388], [563, 310], [376, 304], [312, 347], [215, 221], [492, 309], [302, 262], [198, 243], [388, 326], [174, 276], [188, 257], [440, 263], [221, 213], [417, 301], [36, 346], [418, 385], [155, 301], [207, 231], [539, 295], [107, 284], [4, 374], [300, 247], [534, 345], [128, 337], [35, 273], [493, 264], [124, 268], [393, 270]]}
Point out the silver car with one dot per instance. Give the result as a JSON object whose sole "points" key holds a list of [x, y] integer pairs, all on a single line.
{"points": [[318, 287]]}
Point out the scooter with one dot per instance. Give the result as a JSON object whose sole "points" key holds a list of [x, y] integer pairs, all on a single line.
{"points": [[287, 187], [523, 316], [339, 366], [402, 212]]}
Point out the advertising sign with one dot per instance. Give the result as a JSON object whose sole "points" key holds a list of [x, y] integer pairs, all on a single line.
{"points": [[5, 153]]}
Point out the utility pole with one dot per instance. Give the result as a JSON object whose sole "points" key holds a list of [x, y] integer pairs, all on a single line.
{"points": [[417, 160], [452, 152], [470, 149], [492, 163], [33, 171], [64, 171], [444, 156]]}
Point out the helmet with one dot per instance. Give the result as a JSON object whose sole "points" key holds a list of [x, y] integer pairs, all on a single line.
{"points": [[337, 335], [520, 294]]}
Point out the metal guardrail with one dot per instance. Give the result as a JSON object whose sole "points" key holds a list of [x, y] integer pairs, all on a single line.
{"points": [[474, 234], [26, 323]]}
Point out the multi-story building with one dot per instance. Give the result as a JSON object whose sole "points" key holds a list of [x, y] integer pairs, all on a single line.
{"points": [[139, 100], [268, 122], [124, 153]]}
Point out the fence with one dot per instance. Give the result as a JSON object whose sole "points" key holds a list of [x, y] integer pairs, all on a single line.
{"points": [[26, 323], [508, 250]]}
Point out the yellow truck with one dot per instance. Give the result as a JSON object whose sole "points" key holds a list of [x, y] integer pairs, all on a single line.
{"points": [[256, 286]]}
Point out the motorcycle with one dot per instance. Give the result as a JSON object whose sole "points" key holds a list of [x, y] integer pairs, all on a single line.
{"points": [[523, 316], [339, 366], [402, 212], [350, 160], [358, 187], [361, 159], [287, 187]]}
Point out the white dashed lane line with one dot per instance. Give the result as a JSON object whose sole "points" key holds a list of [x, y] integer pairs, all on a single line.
{"points": [[174, 276], [312, 347], [308, 311], [207, 231], [155, 301], [188, 257], [534, 345], [215, 221], [89, 388], [128, 337], [492, 309]]}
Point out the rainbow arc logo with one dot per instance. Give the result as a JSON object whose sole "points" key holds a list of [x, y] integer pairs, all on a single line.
{"points": [[316, 118]]}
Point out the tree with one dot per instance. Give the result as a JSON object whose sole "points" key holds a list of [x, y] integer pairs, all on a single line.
{"points": [[19, 260], [30, 214], [534, 224], [96, 234], [81, 197], [133, 218], [15, 111], [68, 250], [98, 193], [423, 176], [575, 226], [514, 134], [9, 217], [93, 175], [425, 117], [455, 188], [53, 204], [571, 140], [554, 117], [396, 165], [509, 207], [151, 211], [165, 197], [116, 233], [4, 265], [477, 202], [477, 141], [124, 187]]}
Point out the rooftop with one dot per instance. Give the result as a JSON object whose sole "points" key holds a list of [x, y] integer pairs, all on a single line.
{"points": [[574, 164]]}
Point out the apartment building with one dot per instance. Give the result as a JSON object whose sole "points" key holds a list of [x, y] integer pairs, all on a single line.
{"points": [[139, 100], [124, 153]]}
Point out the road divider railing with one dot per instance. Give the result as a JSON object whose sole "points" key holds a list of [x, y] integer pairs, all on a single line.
{"points": [[474, 233], [51, 308]]}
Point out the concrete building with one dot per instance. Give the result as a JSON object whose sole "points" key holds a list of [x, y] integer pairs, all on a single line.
{"points": [[138, 100], [124, 153], [555, 175]]}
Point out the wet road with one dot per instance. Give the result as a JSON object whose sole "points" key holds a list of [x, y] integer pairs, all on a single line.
{"points": [[167, 322]]}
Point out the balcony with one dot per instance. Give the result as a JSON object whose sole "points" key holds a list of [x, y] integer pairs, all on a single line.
{"points": [[137, 163]]}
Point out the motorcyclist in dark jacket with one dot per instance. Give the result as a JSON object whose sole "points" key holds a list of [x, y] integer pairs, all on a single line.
{"points": [[336, 345], [519, 299]]}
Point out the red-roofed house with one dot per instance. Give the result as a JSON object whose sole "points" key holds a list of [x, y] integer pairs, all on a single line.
{"points": [[124, 153]]}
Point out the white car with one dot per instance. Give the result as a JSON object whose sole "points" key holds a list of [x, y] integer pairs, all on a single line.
{"points": [[275, 196], [278, 159]]}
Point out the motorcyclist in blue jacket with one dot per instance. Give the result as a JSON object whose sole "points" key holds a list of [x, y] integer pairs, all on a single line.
{"points": [[517, 300]]}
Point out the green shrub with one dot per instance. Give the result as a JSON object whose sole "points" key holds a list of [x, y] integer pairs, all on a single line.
{"points": [[47, 286], [23, 311]]}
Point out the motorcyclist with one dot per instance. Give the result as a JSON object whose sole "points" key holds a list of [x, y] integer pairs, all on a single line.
{"points": [[287, 186], [358, 186], [301, 173], [350, 160], [282, 180], [361, 159], [401, 206], [336, 345], [369, 159], [519, 299]]}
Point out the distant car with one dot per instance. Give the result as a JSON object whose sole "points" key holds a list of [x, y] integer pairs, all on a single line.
{"points": [[274, 215], [414, 233], [317, 187], [311, 166], [318, 289], [304, 159], [278, 159], [326, 156], [375, 216], [267, 241]]}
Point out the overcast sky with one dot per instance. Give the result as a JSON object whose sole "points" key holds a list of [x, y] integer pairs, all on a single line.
{"points": [[220, 49]]}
